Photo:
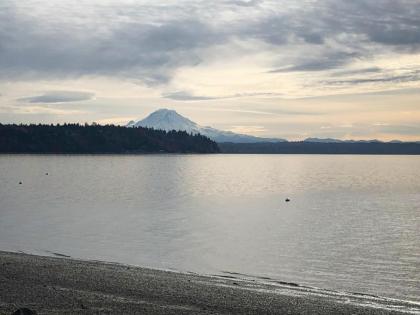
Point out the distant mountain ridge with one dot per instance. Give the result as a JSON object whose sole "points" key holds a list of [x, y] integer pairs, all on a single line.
{"points": [[166, 119], [330, 140], [302, 147]]}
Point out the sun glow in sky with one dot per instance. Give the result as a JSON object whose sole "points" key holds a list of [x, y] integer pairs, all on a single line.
{"points": [[290, 69]]}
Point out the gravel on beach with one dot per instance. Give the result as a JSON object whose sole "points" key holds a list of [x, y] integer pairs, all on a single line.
{"points": [[50, 285]]}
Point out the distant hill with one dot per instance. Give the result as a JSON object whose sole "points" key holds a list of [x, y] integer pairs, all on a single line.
{"points": [[329, 140], [75, 138], [304, 147], [165, 119], [323, 140]]}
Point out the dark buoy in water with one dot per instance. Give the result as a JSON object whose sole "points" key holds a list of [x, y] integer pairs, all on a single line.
{"points": [[24, 311], [46, 173], [287, 200], [20, 183]]}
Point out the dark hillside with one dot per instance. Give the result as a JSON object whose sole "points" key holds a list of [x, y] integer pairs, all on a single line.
{"points": [[321, 148], [75, 138]]}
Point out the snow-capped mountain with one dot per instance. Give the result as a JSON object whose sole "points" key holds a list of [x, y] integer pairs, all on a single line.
{"points": [[166, 119]]}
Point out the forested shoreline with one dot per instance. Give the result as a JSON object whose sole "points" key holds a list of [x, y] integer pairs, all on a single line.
{"points": [[102, 139], [94, 138]]}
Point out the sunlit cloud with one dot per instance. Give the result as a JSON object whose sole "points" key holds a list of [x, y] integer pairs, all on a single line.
{"points": [[247, 129]]}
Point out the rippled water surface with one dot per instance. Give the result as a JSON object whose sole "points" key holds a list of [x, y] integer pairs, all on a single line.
{"points": [[353, 222]]}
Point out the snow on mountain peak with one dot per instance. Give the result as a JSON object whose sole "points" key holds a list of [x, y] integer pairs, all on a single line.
{"points": [[168, 119]]}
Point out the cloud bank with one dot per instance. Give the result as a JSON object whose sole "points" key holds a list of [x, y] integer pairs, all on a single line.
{"points": [[59, 97], [144, 41]]}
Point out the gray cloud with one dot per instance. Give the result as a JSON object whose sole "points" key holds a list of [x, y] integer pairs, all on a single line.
{"points": [[148, 51], [344, 31], [150, 42], [413, 76], [388, 22], [186, 96], [357, 71], [243, 3], [59, 97], [324, 63]]}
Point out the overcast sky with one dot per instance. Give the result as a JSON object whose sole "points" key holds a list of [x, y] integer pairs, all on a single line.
{"points": [[291, 69]]}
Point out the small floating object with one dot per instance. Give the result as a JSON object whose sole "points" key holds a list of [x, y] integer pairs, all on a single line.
{"points": [[20, 183], [24, 311], [46, 173], [287, 200]]}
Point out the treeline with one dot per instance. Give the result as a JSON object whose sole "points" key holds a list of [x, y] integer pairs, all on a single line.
{"points": [[321, 148], [76, 138]]}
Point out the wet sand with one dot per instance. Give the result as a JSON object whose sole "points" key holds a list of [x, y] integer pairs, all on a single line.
{"points": [[52, 285]]}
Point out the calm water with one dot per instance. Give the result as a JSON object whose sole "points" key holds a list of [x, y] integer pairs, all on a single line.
{"points": [[353, 223]]}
